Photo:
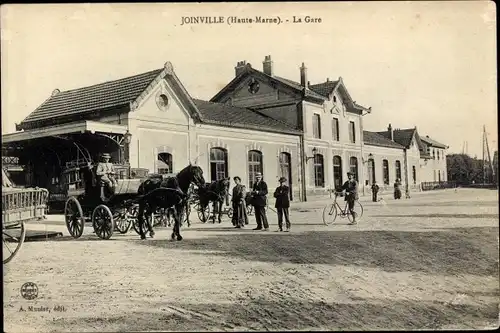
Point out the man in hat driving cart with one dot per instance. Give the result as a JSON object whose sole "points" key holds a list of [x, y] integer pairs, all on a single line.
{"points": [[106, 172]]}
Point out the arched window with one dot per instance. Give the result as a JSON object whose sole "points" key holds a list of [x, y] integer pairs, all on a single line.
{"points": [[218, 163], [385, 168], [353, 166], [337, 171], [414, 174], [254, 165], [398, 170], [165, 163], [319, 174]]}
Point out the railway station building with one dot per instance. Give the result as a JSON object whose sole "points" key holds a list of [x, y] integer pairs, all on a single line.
{"points": [[312, 134]]}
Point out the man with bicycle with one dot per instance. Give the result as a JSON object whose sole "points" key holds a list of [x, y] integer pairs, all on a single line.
{"points": [[351, 194]]}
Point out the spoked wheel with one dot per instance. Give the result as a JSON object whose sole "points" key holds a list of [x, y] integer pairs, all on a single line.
{"points": [[73, 215], [329, 214], [249, 210], [230, 213], [123, 221], [358, 212], [13, 239], [202, 218], [185, 220], [136, 222], [102, 220], [161, 218]]}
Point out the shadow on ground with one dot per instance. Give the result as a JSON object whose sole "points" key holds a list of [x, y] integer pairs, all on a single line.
{"points": [[454, 251], [291, 314], [458, 216]]}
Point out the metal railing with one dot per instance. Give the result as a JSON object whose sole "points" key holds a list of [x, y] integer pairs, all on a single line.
{"points": [[429, 186]]}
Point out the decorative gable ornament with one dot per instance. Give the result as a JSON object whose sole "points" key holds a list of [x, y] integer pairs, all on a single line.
{"points": [[162, 101], [253, 86]]}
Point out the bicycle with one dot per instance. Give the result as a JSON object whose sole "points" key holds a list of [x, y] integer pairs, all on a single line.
{"points": [[331, 211]]}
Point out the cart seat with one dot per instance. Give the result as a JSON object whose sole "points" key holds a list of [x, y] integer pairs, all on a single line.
{"points": [[126, 186]]}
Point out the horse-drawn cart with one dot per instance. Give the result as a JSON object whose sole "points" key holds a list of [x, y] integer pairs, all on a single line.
{"points": [[19, 205], [105, 211]]}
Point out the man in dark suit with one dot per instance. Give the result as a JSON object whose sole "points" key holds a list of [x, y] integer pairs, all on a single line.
{"points": [[375, 189], [259, 192], [282, 204], [351, 195]]}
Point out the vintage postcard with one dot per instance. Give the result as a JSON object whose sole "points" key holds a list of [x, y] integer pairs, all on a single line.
{"points": [[249, 166]]}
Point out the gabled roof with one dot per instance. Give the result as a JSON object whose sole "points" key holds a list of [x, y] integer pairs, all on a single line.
{"points": [[290, 84], [432, 142], [401, 136], [375, 139], [404, 137], [123, 94], [295, 85], [325, 88], [227, 115], [97, 97]]}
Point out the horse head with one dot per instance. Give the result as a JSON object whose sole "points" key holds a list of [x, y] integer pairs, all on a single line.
{"points": [[191, 174]]}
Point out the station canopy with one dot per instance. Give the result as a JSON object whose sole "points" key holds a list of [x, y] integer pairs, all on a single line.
{"points": [[65, 141]]}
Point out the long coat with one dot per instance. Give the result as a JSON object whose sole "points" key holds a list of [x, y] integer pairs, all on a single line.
{"points": [[239, 208], [259, 199], [282, 197]]}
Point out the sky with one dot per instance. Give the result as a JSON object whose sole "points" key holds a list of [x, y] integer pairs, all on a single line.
{"points": [[425, 64]]}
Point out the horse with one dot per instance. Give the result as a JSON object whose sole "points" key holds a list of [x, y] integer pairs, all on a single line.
{"points": [[216, 192], [156, 192]]}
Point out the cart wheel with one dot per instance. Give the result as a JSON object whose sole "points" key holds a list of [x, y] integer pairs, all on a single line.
{"points": [[13, 239], [103, 223], [136, 222], [200, 213], [230, 213], [123, 222], [73, 215]]}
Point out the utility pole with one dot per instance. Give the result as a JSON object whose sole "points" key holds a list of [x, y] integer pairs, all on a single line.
{"points": [[486, 155]]}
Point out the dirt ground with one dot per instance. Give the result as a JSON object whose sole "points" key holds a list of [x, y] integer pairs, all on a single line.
{"points": [[430, 262]]}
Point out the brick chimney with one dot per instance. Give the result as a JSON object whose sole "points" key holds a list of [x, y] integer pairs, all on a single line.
{"points": [[303, 75], [391, 132], [267, 66], [240, 67]]}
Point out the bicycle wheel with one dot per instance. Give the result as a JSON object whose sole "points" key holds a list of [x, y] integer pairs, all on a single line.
{"points": [[358, 212], [329, 214]]}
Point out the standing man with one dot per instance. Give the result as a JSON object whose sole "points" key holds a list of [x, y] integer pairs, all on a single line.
{"points": [[106, 173], [259, 193], [351, 194], [282, 204], [397, 189], [375, 189]]}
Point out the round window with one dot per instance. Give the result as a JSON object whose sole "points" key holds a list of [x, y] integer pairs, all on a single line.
{"points": [[162, 101]]}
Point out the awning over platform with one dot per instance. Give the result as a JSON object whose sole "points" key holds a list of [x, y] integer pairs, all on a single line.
{"points": [[76, 127]]}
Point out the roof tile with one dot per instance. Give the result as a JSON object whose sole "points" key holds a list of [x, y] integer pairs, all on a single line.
{"points": [[375, 139], [97, 97], [325, 88], [432, 142], [223, 114], [401, 136]]}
